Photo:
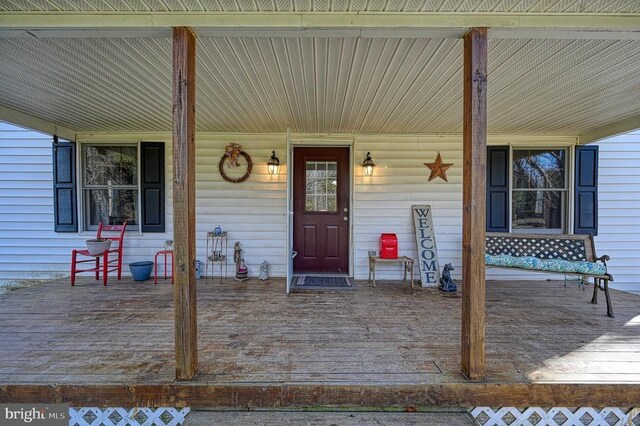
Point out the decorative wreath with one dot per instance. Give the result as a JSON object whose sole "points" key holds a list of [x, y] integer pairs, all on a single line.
{"points": [[232, 152]]}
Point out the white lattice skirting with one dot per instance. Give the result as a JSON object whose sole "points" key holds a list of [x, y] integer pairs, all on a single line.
{"points": [[557, 416], [118, 416]]}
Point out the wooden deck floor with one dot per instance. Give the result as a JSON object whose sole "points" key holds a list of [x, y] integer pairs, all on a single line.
{"points": [[259, 346]]}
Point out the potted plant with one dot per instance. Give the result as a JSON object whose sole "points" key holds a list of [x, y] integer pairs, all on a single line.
{"points": [[98, 246]]}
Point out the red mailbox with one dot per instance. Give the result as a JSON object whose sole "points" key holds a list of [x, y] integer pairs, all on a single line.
{"points": [[388, 246]]}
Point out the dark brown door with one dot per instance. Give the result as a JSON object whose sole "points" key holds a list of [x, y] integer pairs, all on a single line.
{"points": [[321, 210]]}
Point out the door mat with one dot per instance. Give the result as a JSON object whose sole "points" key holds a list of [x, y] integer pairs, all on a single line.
{"points": [[322, 281]]}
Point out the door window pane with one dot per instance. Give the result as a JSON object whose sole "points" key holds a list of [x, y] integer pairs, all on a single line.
{"points": [[321, 182]]}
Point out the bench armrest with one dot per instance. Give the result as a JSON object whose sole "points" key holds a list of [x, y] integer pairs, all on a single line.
{"points": [[604, 259]]}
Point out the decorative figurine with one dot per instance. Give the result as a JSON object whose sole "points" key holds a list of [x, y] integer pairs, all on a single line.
{"points": [[217, 231], [168, 244], [446, 283], [242, 271], [264, 271]]}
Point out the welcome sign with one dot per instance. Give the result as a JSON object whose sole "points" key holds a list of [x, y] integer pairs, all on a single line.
{"points": [[426, 243]]}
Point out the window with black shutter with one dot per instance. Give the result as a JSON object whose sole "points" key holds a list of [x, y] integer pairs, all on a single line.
{"points": [[152, 186], [65, 210], [528, 190], [498, 189], [586, 190], [122, 183]]}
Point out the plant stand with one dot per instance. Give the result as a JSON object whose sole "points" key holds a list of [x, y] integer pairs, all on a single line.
{"points": [[217, 250]]}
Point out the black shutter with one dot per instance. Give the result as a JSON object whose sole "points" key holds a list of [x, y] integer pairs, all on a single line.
{"points": [[586, 192], [65, 211], [498, 189], [152, 186]]}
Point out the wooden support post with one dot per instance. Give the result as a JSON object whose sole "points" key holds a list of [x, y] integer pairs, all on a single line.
{"points": [[473, 201], [184, 202]]}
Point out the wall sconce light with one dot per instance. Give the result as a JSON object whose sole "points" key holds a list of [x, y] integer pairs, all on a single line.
{"points": [[367, 165], [273, 165]]}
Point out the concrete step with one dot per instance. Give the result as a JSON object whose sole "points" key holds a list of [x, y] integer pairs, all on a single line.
{"points": [[342, 418]]}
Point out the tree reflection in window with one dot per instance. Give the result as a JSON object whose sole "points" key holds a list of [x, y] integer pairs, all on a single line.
{"points": [[110, 184], [539, 189]]}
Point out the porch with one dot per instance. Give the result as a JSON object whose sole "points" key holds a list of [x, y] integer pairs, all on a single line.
{"points": [[259, 347]]}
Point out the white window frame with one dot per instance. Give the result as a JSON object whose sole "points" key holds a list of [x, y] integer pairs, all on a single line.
{"points": [[84, 226], [567, 210]]}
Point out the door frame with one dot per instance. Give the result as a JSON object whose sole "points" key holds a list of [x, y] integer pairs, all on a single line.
{"points": [[331, 142]]}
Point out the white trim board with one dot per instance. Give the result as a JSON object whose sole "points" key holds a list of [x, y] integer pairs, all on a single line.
{"points": [[34, 123], [338, 138], [332, 24]]}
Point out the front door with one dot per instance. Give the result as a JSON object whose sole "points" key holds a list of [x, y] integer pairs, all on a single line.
{"points": [[321, 210]]}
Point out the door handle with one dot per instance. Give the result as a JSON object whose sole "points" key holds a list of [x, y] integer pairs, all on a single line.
{"points": [[345, 218]]}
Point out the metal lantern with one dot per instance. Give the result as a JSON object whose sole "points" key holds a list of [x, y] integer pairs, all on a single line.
{"points": [[368, 165], [273, 165]]}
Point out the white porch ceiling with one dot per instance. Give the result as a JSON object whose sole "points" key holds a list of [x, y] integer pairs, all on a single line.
{"points": [[443, 6], [323, 85]]}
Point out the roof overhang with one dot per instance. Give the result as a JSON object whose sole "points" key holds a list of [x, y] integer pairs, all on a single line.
{"points": [[591, 56], [612, 129], [35, 123]]}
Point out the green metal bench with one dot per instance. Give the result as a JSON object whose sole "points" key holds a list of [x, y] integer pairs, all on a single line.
{"points": [[553, 253]]}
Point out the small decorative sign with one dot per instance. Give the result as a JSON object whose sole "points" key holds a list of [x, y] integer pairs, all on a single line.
{"points": [[426, 244]]}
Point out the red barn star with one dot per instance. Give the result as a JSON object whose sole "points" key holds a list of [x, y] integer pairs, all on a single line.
{"points": [[438, 169]]}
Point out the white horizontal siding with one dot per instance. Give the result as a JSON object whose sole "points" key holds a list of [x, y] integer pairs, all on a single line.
{"points": [[29, 248], [253, 211], [28, 245], [382, 202], [619, 208]]}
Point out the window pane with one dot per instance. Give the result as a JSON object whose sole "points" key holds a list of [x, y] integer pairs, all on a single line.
{"points": [[111, 206], [310, 203], [539, 168], [321, 184], [538, 209], [110, 165]]}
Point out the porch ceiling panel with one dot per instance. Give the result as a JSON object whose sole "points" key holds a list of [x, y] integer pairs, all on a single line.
{"points": [[322, 85], [445, 6]]}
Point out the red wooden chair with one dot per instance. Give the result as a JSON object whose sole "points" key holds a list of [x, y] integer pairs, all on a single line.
{"points": [[108, 265]]}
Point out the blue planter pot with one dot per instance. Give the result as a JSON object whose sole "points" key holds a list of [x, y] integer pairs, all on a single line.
{"points": [[141, 271]]}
